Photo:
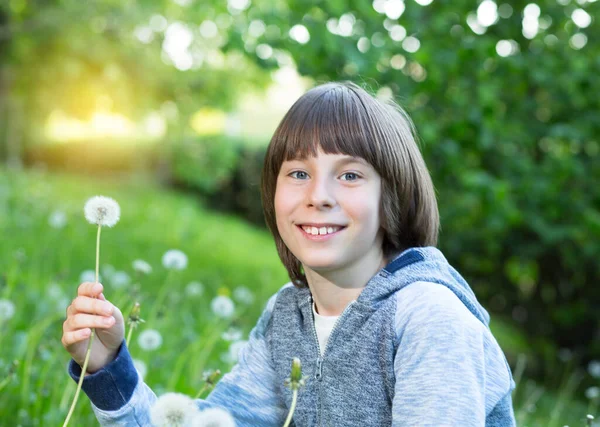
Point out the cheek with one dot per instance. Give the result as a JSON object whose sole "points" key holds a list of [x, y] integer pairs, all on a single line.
{"points": [[369, 211], [281, 207]]}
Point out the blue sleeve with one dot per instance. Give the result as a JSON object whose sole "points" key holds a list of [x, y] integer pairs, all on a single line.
{"points": [[120, 398], [449, 369]]}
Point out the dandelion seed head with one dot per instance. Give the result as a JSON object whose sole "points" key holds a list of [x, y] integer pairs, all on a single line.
{"points": [[7, 309], [222, 306], [150, 339], [141, 266], [565, 354], [54, 291], [62, 304], [592, 392], [235, 348], [194, 289], [174, 259], [57, 219], [120, 279], [107, 270], [594, 368], [173, 410], [140, 367], [243, 295], [213, 417], [89, 276], [232, 334], [100, 210]]}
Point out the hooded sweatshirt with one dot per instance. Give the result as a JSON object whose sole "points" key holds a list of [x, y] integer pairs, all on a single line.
{"points": [[414, 349]]}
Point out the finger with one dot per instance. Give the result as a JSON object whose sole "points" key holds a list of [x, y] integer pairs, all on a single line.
{"points": [[101, 296], [90, 289], [89, 305], [70, 338], [81, 321]]}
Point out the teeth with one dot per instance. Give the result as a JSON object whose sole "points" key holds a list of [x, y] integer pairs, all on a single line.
{"points": [[320, 231]]}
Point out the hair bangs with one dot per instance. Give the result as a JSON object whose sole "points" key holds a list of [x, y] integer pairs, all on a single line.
{"points": [[332, 122]]}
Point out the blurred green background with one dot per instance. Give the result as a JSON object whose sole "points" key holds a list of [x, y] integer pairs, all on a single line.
{"points": [[168, 105]]}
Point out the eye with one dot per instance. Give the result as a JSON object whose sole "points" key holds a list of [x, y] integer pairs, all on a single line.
{"points": [[350, 176], [299, 175]]}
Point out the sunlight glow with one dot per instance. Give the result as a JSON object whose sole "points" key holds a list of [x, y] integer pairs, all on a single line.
{"points": [[208, 121], [60, 127]]}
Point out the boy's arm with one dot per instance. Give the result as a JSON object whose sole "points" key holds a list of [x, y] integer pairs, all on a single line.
{"points": [[449, 369], [120, 398]]}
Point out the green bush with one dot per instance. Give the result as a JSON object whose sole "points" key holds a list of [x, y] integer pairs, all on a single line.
{"points": [[205, 164]]}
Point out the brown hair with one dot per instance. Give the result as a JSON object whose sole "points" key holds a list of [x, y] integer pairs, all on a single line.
{"points": [[342, 118]]}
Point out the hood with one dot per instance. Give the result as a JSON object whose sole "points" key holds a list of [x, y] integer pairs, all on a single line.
{"points": [[424, 264]]}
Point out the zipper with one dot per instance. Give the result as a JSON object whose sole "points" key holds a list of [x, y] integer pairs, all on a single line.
{"points": [[319, 370]]}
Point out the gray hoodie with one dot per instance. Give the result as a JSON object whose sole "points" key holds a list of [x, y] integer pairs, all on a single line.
{"points": [[419, 355]]}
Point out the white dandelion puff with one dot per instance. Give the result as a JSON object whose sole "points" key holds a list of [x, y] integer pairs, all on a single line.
{"points": [[592, 392], [173, 410], [89, 276], [107, 270], [174, 259], [100, 210], [150, 339], [194, 289], [54, 291], [213, 417], [7, 309], [232, 334], [62, 304], [57, 219], [141, 266], [140, 367], [243, 295], [594, 368], [222, 306], [235, 348], [120, 279]]}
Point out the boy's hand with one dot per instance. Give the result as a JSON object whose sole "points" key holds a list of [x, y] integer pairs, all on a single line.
{"points": [[91, 310]]}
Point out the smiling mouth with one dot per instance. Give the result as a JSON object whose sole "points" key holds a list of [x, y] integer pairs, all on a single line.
{"points": [[320, 231]]}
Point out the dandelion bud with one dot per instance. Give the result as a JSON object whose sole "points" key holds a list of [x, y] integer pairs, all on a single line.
{"points": [[296, 370], [296, 379], [211, 377], [100, 210], [134, 314]]}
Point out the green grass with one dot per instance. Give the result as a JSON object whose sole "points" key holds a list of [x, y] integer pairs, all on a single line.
{"points": [[40, 268]]}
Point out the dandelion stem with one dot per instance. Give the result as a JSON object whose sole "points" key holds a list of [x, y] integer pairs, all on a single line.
{"points": [[98, 253], [162, 294], [289, 417], [202, 390], [89, 348], [129, 335], [4, 382]]}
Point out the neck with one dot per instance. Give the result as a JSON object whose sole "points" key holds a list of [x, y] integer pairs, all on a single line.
{"points": [[333, 290]]}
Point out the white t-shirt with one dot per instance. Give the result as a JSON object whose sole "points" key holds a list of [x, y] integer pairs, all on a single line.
{"points": [[323, 325]]}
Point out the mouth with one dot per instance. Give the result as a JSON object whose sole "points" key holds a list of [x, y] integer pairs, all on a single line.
{"points": [[320, 230]]}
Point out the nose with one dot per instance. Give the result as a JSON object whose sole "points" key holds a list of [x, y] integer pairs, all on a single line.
{"points": [[320, 194]]}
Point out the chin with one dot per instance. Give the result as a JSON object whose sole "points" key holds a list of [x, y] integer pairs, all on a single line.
{"points": [[320, 264]]}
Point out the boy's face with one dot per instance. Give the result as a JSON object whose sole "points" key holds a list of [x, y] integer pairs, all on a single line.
{"points": [[327, 211]]}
